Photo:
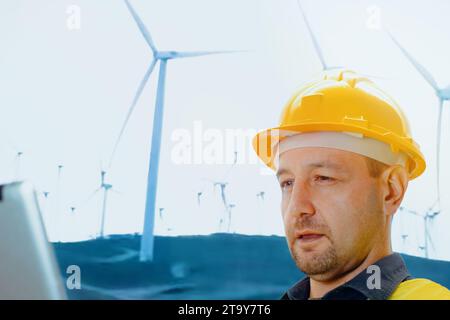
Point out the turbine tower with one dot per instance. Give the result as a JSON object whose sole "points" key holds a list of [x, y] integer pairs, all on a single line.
{"points": [[443, 95], [223, 197], [106, 187], [222, 186], [147, 240], [18, 158], [57, 219], [230, 208], [199, 194], [427, 218]]}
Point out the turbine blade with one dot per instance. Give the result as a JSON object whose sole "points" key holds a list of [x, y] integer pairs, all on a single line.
{"points": [[430, 239], [116, 191], [313, 38], [131, 109], [141, 26], [89, 198], [192, 54], [412, 212], [424, 72], [225, 177]]}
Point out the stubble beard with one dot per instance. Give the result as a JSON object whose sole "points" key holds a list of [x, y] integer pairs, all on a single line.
{"points": [[317, 263]]}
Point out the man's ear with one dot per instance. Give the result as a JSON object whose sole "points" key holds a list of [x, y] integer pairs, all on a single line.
{"points": [[394, 183]]}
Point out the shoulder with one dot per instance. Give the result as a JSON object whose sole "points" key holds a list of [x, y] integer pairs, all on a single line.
{"points": [[420, 289]]}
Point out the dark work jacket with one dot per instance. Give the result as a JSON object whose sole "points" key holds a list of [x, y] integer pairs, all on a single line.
{"points": [[393, 271]]}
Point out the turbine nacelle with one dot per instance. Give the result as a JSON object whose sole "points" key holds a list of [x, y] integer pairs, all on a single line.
{"points": [[165, 55], [444, 93]]}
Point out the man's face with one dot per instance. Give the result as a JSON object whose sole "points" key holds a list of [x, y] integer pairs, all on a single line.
{"points": [[331, 208]]}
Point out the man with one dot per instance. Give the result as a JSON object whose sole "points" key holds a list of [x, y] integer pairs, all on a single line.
{"points": [[343, 155]]}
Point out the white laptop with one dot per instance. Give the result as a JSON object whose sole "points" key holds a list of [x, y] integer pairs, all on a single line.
{"points": [[28, 267]]}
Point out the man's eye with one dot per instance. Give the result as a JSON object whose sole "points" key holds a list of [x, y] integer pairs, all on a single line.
{"points": [[324, 179], [286, 184]]}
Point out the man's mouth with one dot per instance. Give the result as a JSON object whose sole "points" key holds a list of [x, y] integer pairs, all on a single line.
{"points": [[309, 236]]}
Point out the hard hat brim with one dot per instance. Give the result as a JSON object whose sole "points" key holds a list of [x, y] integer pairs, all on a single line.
{"points": [[265, 140]]}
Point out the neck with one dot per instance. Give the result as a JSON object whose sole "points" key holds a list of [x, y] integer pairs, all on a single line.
{"points": [[319, 287]]}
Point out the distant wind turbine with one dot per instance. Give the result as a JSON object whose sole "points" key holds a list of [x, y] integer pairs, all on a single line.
{"points": [[404, 236], [221, 182], [199, 194], [58, 187], [428, 217], [147, 240], [161, 210], [18, 158], [16, 163], [222, 186], [443, 95], [106, 187], [260, 210], [58, 212], [163, 221], [44, 197], [230, 207], [260, 195]]}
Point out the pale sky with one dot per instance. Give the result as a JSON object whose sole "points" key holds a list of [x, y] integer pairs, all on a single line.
{"points": [[65, 92]]}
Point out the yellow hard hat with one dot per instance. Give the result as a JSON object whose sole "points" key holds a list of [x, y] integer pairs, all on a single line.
{"points": [[343, 101]]}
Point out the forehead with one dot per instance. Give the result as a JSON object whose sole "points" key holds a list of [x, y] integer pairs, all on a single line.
{"points": [[319, 157]]}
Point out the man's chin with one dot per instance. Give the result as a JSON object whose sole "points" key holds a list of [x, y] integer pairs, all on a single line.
{"points": [[315, 262]]}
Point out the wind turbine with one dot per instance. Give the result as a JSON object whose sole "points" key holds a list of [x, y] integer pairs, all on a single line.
{"points": [[18, 158], [106, 187], [230, 207], [222, 185], [43, 197], [427, 218], [58, 186], [147, 240], [260, 210], [260, 195], [163, 222], [57, 214], [443, 95], [404, 237], [199, 194]]}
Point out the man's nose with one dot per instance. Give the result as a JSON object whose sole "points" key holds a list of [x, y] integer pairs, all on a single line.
{"points": [[300, 203]]}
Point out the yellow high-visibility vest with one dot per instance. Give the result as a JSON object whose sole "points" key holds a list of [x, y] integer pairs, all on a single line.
{"points": [[420, 289]]}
